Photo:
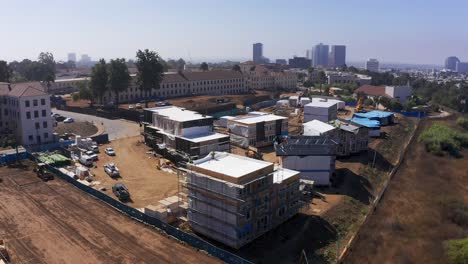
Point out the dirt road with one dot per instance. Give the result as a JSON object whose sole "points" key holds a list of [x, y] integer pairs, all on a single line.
{"points": [[414, 217], [54, 222]]}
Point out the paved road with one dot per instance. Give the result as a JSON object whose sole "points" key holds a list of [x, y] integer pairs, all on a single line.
{"points": [[116, 129]]}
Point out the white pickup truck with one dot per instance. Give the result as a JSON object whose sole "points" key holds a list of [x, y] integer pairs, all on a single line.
{"points": [[112, 170]]}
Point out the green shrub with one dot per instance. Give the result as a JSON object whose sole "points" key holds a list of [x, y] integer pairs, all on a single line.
{"points": [[457, 251], [463, 122], [440, 138]]}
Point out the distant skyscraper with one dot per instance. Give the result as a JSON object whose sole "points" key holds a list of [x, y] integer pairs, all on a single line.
{"points": [[372, 65], [85, 59], [299, 62], [281, 61], [337, 56], [320, 55], [258, 52], [451, 63], [462, 67], [72, 57]]}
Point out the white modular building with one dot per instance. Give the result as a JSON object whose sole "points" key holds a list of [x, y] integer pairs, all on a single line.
{"points": [[257, 130], [313, 157], [318, 128], [324, 110]]}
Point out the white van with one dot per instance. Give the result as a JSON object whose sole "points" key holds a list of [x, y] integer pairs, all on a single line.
{"points": [[86, 160]]}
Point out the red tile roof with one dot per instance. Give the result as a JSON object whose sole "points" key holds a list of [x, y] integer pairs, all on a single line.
{"points": [[27, 89], [371, 90]]}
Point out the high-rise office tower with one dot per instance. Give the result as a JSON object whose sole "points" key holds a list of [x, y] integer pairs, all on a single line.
{"points": [[72, 56], [258, 52], [451, 63], [320, 55], [337, 56], [372, 65]]}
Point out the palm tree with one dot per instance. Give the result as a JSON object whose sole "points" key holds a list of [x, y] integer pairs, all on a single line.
{"points": [[119, 78], [150, 71]]}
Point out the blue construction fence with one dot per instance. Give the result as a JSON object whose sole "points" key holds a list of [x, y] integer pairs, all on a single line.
{"points": [[10, 158], [412, 114], [50, 146], [192, 240]]}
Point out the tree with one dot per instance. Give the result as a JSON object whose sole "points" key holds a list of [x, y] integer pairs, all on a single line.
{"points": [[180, 64], [47, 64], [5, 72], [99, 79], [204, 66], [236, 67], [84, 92], [322, 79], [150, 71], [395, 105], [119, 78]]}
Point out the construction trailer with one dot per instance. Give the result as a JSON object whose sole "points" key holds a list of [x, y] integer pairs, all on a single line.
{"points": [[181, 130], [257, 130], [313, 156], [324, 110], [318, 128], [352, 138], [339, 104], [235, 199]]}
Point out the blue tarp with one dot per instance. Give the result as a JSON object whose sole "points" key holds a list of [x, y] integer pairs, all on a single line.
{"points": [[365, 122], [376, 114]]}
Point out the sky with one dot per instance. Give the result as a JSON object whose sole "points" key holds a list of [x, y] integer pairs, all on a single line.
{"points": [[397, 31]]}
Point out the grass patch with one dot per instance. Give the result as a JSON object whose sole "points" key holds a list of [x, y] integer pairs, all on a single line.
{"points": [[441, 138], [463, 122], [457, 251]]}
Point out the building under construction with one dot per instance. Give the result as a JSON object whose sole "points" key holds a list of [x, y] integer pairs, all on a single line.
{"points": [[234, 199], [257, 129], [185, 131], [313, 156]]}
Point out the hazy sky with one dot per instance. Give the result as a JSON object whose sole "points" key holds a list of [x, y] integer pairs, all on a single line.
{"points": [[411, 31]]}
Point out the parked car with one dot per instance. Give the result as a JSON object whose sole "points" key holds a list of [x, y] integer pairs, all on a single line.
{"points": [[69, 120], [131, 107], [60, 118], [86, 160], [94, 149], [110, 151], [138, 106], [92, 155], [111, 170], [121, 191]]}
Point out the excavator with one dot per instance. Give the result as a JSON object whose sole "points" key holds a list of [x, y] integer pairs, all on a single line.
{"points": [[360, 103], [41, 171]]}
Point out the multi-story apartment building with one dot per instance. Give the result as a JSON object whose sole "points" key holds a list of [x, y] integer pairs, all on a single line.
{"points": [[257, 130], [352, 137], [235, 199], [372, 65], [261, 78], [340, 78], [183, 130], [25, 113]]}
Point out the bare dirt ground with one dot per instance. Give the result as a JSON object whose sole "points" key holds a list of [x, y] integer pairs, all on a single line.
{"points": [[413, 219], [54, 222], [147, 185], [84, 129]]}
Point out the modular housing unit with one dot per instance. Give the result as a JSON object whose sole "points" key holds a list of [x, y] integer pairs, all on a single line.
{"points": [[324, 110], [235, 199]]}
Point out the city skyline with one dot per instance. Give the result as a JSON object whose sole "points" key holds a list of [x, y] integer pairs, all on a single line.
{"points": [[396, 32]]}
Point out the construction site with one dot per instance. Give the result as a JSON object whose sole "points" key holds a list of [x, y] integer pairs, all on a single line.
{"points": [[37, 214]]}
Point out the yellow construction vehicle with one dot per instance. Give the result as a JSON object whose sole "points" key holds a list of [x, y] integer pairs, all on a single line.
{"points": [[359, 106]]}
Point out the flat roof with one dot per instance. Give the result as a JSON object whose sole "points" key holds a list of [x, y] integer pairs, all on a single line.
{"points": [[177, 113], [281, 174], [204, 137], [230, 164], [319, 102], [258, 118], [316, 125]]}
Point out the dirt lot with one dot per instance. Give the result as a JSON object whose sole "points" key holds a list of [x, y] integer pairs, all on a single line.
{"points": [[146, 184], [54, 222], [414, 218], [85, 129]]}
